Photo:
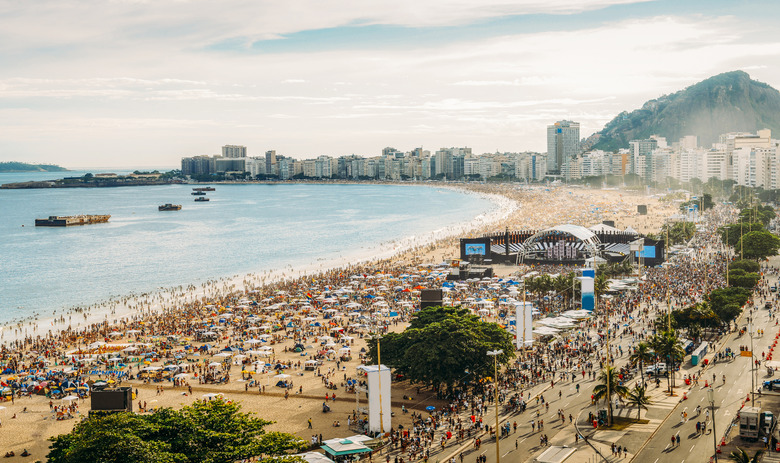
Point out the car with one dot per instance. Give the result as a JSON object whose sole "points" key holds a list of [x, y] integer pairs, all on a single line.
{"points": [[768, 304], [773, 289], [773, 385], [657, 369]]}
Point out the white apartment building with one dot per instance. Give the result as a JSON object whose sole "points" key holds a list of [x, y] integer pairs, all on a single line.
{"points": [[255, 166]]}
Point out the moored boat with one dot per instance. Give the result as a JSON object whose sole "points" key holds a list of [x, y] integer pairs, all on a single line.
{"points": [[202, 198], [169, 207], [198, 193], [68, 220], [205, 188]]}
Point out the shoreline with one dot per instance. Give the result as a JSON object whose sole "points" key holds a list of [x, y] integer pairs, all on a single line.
{"points": [[512, 202], [120, 308], [278, 294]]}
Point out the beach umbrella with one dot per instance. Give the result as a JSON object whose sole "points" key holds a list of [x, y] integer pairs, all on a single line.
{"points": [[70, 397], [430, 408]]}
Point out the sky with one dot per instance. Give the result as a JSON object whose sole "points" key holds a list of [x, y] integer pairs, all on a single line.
{"points": [[143, 83]]}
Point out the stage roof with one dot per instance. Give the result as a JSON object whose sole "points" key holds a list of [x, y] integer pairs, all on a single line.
{"points": [[577, 231]]}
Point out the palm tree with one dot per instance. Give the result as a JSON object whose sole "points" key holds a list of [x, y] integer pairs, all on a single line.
{"points": [[639, 398], [563, 284], [642, 354], [609, 377], [544, 284], [667, 345], [741, 456], [600, 285]]}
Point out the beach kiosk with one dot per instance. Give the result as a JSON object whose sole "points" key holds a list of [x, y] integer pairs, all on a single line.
{"points": [[342, 449]]}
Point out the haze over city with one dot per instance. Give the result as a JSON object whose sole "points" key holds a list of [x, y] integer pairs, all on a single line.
{"points": [[135, 83]]}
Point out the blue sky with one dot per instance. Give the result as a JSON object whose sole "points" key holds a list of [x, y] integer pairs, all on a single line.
{"points": [[143, 83]]}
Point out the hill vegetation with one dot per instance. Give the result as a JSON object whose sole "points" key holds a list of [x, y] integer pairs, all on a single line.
{"points": [[728, 102], [24, 167]]}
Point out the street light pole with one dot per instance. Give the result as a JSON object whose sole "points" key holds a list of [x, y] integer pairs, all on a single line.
{"points": [[379, 373], [711, 396], [495, 354], [752, 365]]}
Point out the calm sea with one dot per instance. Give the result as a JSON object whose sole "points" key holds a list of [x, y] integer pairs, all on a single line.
{"points": [[243, 229]]}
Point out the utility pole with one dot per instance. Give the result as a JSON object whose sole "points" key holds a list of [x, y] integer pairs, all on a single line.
{"points": [[495, 354], [711, 396]]}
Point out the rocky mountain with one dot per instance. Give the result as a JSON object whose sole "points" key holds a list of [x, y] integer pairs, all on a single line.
{"points": [[728, 102]]}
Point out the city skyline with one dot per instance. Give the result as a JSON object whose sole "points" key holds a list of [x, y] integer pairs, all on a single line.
{"points": [[131, 83]]}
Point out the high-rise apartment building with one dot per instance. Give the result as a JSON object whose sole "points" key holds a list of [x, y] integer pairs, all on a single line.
{"points": [[270, 163], [233, 151], [563, 143]]}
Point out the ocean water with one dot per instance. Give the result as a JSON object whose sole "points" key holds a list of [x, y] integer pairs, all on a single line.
{"points": [[243, 229]]}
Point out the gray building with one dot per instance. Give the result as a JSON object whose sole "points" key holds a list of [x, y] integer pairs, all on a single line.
{"points": [[233, 151], [563, 143]]}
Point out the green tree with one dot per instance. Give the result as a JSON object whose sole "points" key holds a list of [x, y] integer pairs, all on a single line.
{"points": [[211, 432], [641, 355], [695, 317], [609, 376], [564, 285], [727, 302], [760, 214], [730, 234], [600, 286], [749, 266], [679, 232], [638, 398], [444, 348], [759, 245], [741, 456], [539, 285], [740, 278], [667, 346]]}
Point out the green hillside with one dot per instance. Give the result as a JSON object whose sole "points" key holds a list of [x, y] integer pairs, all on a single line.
{"points": [[24, 167], [729, 102]]}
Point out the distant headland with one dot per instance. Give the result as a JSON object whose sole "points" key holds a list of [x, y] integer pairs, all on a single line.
{"points": [[89, 180], [25, 167]]}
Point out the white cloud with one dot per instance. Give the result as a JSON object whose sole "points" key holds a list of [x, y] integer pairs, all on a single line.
{"points": [[163, 95]]}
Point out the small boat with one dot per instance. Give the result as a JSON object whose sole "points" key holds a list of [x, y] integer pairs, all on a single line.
{"points": [[169, 207], [202, 198], [68, 220], [198, 193], [206, 188]]}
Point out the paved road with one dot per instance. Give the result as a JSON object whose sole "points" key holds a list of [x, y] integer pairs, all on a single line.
{"points": [[729, 397]]}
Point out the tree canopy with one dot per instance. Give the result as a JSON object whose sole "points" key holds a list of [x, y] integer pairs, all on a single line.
{"points": [[738, 277], [727, 303], [730, 234], [679, 232], [212, 432], [444, 346], [749, 266], [761, 214], [759, 244]]}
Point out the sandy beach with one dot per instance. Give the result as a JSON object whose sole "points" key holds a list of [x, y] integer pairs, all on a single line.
{"points": [[276, 298]]}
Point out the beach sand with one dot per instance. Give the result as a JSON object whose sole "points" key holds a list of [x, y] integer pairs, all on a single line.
{"points": [[527, 208]]}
